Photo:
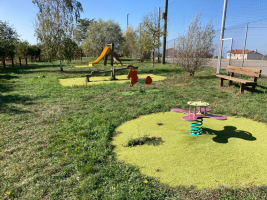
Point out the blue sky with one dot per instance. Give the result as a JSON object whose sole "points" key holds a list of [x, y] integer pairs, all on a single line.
{"points": [[21, 14]]}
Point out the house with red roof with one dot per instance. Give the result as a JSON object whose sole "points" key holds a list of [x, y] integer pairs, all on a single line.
{"points": [[248, 54]]}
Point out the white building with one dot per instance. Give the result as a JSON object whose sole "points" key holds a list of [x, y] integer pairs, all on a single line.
{"points": [[248, 55]]}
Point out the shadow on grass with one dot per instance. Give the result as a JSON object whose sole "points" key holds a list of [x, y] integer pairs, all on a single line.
{"points": [[7, 77], [248, 88], [207, 77], [4, 84], [22, 69], [9, 99], [160, 71], [263, 89], [126, 59], [228, 132], [5, 88]]}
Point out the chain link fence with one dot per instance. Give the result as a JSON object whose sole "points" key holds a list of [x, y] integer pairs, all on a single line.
{"points": [[246, 24]]}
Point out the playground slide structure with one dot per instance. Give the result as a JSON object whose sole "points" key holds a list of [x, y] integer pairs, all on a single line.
{"points": [[105, 52], [116, 58]]}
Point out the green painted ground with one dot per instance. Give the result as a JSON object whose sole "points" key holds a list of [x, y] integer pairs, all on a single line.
{"points": [[231, 152], [105, 79]]}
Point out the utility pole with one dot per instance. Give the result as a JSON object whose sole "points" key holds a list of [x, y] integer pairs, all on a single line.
{"points": [[165, 31], [173, 51], [140, 31], [158, 30], [245, 46], [127, 20], [221, 37]]}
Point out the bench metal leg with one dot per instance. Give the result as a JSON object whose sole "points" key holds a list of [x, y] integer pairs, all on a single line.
{"points": [[230, 82], [221, 82], [242, 88]]}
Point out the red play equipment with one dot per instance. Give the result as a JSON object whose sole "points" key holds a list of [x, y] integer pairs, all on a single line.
{"points": [[133, 74]]}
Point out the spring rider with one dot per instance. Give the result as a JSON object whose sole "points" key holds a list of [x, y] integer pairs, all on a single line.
{"points": [[133, 74], [196, 117]]}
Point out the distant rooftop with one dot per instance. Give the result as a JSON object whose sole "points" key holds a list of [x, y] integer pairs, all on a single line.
{"points": [[240, 51]]}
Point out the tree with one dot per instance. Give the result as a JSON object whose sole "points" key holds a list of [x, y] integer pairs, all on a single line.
{"points": [[80, 30], [101, 33], [23, 48], [194, 50], [54, 27], [69, 47], [132, 45], [8, 40], [34, 50], [151, 33], [130, 39]]}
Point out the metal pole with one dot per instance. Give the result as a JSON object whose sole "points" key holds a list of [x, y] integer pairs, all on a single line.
{"points": [[140, 31], [245, 45], [230, 51], [158, 30], [127, 20], [173, 51], [221, 37], [264, 52], [141, 53], [165, 31], [112, 54]]}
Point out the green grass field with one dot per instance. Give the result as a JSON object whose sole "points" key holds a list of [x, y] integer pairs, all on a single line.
{"points": [[56, 142]]}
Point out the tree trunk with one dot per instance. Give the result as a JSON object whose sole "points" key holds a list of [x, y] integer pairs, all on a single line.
{"points": [[153, 51], [153, 58], [191, 74], [61, 68]]}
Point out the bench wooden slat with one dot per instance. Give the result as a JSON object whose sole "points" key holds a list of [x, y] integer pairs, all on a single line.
{"points": [[100, 72], [238, 71], [234, 79], [125, 68], [112, 70], [245, 69]]}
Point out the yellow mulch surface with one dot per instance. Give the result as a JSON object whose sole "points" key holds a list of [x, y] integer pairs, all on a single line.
{"points": [[95, 65], [230, 152], [80, 66], [105, 79]]}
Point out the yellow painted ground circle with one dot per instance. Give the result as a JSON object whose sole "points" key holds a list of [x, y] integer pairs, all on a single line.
{"points": [[231, 152], [105, 79]]}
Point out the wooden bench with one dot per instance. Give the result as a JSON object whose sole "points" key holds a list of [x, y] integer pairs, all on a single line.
{"points": [[255, 73], [112, 71]]}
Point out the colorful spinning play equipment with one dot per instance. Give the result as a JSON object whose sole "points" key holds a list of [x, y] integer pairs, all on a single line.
{"points": [[133, 74], [196, 117]]}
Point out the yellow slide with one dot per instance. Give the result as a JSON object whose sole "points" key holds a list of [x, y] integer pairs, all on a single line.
{"points": [[106, 51]]}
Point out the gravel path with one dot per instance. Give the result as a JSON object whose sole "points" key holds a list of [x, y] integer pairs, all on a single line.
{"points": [[254, 64]]}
